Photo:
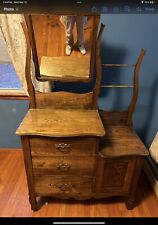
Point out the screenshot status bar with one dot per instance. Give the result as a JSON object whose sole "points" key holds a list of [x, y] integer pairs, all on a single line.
{"points": [[79, 6]]}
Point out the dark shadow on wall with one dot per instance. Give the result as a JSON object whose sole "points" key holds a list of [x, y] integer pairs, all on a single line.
{"points": [[143, 132]]}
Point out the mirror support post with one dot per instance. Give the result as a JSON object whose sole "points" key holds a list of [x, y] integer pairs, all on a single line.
{"points": [[30, 29]]}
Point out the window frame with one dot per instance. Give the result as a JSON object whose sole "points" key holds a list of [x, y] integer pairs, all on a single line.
{"points": [[13, 93]]}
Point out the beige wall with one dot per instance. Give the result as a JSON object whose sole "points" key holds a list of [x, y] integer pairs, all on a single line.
{"points": [[4, 57]]}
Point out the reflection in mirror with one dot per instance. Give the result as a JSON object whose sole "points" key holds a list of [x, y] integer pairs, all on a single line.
{"points": [[69, 22], [64, 46]]}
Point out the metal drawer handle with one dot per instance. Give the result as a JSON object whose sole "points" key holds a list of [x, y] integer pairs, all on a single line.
{"points": [[64, 187], [63, 166], [63, 147]]}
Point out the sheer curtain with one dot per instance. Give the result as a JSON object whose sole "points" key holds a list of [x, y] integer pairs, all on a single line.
{"points": [[154, 149], [12, 31]]}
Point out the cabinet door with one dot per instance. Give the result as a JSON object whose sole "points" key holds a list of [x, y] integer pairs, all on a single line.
{"points": [[114, 175]]}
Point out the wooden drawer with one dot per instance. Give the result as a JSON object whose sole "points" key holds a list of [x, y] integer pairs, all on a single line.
{"points": [[63, 185], [47, 146], [67, 165]]}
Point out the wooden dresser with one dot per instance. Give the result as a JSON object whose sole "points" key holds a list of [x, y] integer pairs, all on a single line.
{"points": [[68, 154], [69, 150], [60, 152]]}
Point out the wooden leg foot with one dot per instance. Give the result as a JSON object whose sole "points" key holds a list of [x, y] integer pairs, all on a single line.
{"points": [[34, 204], [129, 204]]}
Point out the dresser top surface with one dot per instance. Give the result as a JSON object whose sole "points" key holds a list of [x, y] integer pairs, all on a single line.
{"points": [[61, 123]]}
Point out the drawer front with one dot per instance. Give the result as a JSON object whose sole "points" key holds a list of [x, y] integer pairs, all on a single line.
{"points": [[67, 165], [48, 146], [63, 185]]}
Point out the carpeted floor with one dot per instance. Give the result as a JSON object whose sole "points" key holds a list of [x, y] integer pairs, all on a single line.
{"points": [[8, 77]]}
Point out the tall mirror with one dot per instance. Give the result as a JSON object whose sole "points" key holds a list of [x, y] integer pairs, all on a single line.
{"points": [[63, 46]]}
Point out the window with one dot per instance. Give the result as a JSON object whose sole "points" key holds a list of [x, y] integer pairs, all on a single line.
{"points": [[9, 81]]}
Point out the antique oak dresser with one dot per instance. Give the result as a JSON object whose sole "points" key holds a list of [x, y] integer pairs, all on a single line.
{"points": [[60, 152], [71, 148]]}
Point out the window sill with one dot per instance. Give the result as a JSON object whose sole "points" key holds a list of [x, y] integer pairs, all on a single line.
{"points": [[16, 94]]}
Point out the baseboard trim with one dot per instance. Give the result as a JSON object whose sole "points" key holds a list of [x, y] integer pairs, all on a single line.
{"points": [[10, 149], [152, 179]]}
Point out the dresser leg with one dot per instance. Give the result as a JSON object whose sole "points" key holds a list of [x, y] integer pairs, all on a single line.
{"points": [[130, 203], [131, 198], [34, 204]]}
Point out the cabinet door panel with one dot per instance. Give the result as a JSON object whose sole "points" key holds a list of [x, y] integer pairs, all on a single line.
{"points": [[115, 175]]}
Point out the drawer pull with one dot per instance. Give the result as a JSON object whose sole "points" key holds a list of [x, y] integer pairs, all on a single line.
{"points": [[64, 187], [63, 166], [63, 147]]}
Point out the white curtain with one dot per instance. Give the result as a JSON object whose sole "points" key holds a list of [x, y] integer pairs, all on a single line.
{"points": [[154, 149], [15, 40]]}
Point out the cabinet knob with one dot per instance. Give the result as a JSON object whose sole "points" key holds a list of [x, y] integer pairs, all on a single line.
{"points": [[63, 147], [63, 166]]}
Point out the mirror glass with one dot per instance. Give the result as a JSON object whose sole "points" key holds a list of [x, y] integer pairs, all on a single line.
{"points": [[64, 46]]}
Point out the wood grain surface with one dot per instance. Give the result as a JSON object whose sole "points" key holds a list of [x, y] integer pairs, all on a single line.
{"points": [[121, 141], [61, 123], [65, 186], [63, 165], [64, 100], [65, 67], [76, 146]]}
